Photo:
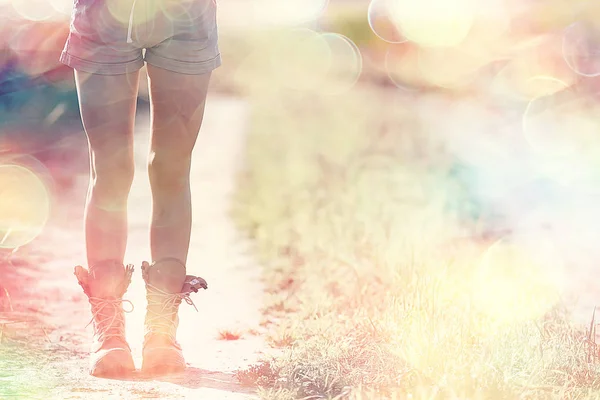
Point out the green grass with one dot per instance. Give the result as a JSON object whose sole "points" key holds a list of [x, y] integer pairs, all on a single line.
{"points": [[24, 372]]}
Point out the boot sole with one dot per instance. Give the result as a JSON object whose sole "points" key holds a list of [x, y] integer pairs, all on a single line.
{"points": [[162, 361], [114, 364]]}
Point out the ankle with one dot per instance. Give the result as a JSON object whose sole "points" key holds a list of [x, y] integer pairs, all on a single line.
{"points": [[166, 274]]}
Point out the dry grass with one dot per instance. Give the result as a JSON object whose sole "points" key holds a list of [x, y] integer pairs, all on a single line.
{"points": [[227, 334], [375, 303], [353, 206]]}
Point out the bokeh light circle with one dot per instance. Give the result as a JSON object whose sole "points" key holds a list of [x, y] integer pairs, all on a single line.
{"points": [[434, 22], [63, 7], [561, 124], [520, 82], [24, 205], [345, 63], [460, 67], [581, 48], [562, 132], [516, 281], [301, 59], [565, 224], [282, 13], [533, 68], [381, 22], [539, 86], [36, 46], [182, 10], [34, 10], [120, 11], [402, 66]]}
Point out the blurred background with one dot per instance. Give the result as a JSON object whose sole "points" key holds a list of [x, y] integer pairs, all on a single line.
{"points": [[479, 79], [451, 145]]}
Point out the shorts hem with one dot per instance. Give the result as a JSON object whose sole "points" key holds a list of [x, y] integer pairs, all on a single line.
{"points": [[80, 64], [184, 67]]}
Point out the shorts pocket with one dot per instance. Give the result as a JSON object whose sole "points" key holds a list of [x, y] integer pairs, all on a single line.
{"points": [[98, 22]]}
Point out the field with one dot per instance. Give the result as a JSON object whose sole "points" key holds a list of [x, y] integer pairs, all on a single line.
{"points": [[425, 238]]}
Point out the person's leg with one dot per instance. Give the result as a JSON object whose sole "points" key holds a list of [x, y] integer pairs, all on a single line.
{"points": [[108, 104], [177, 104], [179, 69], [106, 65], [177, 108]]}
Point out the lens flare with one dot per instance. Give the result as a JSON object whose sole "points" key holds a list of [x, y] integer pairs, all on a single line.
{"points": [[581, 48], [434, 22], [24, 205], [381, 23]]}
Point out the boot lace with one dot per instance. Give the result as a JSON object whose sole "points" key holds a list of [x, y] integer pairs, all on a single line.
{"points": [[108, 317], [162, 320]]}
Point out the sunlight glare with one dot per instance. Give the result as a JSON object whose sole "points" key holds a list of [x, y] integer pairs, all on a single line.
{"points": [[434, 22], [517, 280], [24, 205]]}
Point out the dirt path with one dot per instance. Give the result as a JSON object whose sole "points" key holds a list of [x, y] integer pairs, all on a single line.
{"points": [[217, 253]]}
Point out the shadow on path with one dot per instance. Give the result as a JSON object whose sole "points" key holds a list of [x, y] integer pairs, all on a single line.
{"points": [[195, 378]]}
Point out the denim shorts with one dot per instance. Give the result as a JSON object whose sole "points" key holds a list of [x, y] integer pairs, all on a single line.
{"points": [[112, 37]]}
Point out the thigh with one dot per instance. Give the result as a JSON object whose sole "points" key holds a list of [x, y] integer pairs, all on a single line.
{"points": [[108, 104], [190, 43], [177, 106]]}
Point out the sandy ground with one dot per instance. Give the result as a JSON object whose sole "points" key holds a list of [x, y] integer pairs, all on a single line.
{"points": [[49, 359]]}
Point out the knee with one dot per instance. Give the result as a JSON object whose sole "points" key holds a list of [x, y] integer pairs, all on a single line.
{"points": [[169, 171], [113, 174]]}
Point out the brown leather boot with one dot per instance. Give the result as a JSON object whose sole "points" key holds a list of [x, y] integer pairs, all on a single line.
{"points": [[166, 286], [105, 284]]}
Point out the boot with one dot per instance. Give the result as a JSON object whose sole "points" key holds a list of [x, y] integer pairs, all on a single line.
{"points": [[105, 284], [166, 286]]}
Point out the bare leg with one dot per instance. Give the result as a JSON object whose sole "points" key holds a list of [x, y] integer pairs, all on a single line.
{"points": [[177, 108], [177, 105], [108, 105]]}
